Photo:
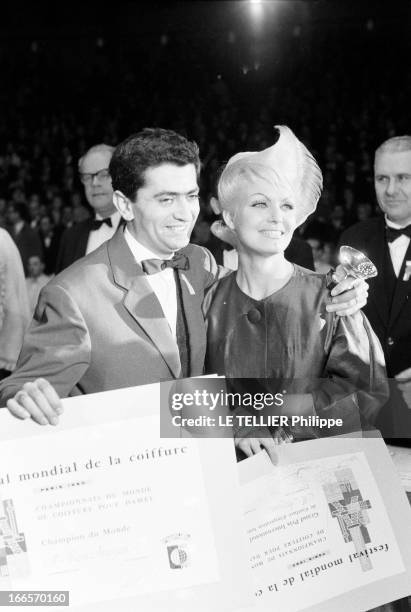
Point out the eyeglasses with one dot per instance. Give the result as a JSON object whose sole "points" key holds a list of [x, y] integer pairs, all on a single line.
{"points": [[87, 177]]}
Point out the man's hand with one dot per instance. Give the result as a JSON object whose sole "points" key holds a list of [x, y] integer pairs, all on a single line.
{"points": [[404, 384], [255, 441], [349, 295], [38, 400]]}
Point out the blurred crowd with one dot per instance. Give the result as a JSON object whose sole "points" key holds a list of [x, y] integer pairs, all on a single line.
{"points": [[338, 92]]}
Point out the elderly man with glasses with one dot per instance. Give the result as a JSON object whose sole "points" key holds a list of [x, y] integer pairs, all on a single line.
{"points": [[85, 237]]}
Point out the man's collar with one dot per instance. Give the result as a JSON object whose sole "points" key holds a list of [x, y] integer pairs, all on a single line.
{"points": [[394, 225], [139, 251], [115, 218]]}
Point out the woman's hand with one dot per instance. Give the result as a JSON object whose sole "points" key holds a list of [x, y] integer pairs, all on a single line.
{"points": [[256, 440]]}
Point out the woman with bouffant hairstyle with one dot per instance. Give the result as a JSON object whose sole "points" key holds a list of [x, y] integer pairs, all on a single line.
{"points": [[267, 324]]}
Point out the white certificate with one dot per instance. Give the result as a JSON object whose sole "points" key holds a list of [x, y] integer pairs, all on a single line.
{"points": [[328, 532], [110, 511], [401, 458]]}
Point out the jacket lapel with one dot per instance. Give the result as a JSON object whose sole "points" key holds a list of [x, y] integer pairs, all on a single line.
{"points": [[194, 318], [402, 289], [141, 302]]}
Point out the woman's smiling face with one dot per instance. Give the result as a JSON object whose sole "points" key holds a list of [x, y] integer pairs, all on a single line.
{"points": [[263, 215]]}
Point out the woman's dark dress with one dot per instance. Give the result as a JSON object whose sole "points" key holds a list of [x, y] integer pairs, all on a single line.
{"points": [[288, 341]]}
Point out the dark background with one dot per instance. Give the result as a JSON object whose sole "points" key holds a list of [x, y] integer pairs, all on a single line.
{"points": [[73, 75]]}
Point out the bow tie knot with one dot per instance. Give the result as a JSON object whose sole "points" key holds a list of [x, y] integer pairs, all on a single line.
{"points": [[97, 223], [393, 233], [177, 262]]}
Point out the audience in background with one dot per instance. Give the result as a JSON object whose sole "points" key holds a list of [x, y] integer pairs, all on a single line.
{"points": [[27, 240], [35, 280], [14, 308], [341, 109]]}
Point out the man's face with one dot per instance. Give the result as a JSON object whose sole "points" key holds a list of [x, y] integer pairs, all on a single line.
{"points": [[393, 185], [98, 189], [35, 267], [166, 208]]}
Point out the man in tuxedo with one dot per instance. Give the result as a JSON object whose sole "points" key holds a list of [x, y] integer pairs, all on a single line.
{"points": [[386, 240], [129, 313], [84, 237]]}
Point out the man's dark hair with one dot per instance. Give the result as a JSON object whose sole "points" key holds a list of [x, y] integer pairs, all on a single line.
{"points": [[148, 149]]}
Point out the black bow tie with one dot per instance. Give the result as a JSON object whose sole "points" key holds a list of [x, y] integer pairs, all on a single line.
{"points": [[392, 233], [97, 223], [153, 266]]}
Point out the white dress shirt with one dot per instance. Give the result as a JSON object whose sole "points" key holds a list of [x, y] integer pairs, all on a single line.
{"points": [[398, 248], [103, 233], [163, 283]]}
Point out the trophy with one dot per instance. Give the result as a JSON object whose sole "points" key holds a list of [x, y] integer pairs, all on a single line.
{"points": [[356, 264]]}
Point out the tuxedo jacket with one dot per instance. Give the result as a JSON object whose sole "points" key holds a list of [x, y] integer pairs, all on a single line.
{"points": [[73, 244], [390, 321], [99, 326]]}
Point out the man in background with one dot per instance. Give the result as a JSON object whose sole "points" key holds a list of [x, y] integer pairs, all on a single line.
{"points": [[84, 237], [386, 240]]}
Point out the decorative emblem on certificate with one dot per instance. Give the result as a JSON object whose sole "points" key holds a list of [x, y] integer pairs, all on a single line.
{"points": [[348, 507], [177, 550], [320, 526], [111, 512]]}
